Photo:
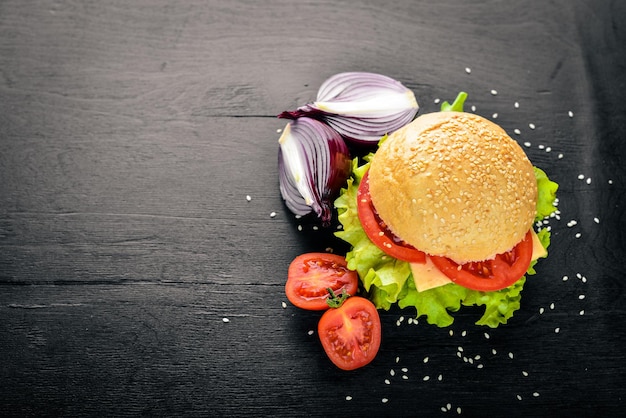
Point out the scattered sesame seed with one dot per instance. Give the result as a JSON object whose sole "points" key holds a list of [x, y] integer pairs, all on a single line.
{"points": [[440, 377], [272, 214], [384, 400], [494, 92], [527, 144], [299, 227], [387, 382], [443, 409], [493, 351], [425, 359], [552, 305], [311, 332], [404, 370], [473, 108], [582, 312], [392, 372], [565, 278], [460, 349], [560, 156], [570, 114], [541, 311], [510, 355], [588, 181], [535, 394], [610, 181], [571, 223], [548, 149], [531, 125], [225, 320], [397, 360], [437, 101], [577, 235], [284, 305], [516, 105], [495, 116], [581, 297], [557, 330], [519, 397], [458, 410], [248, 198], [451, 333], [541, 146], [596, 220], [486, 336], [524, 373], [583, 279], [348, 398], [517, 131], [468, 70], [463, 333], [479, 366], [279, 130]]}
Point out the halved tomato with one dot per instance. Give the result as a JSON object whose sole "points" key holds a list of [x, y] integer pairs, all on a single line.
{"points": [[311, 275], [489, 275], [351, 334], [377, 230]]}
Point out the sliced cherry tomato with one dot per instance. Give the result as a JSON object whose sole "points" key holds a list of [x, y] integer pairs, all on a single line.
{"points": [[489, 275], [311, 275], [351, 333], [377, 230]]}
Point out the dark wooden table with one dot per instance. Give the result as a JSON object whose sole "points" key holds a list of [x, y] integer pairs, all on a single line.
{"points": [[137, 279]]}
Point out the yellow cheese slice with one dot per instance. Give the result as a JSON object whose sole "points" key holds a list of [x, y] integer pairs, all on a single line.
{"points": [[428, 276]]}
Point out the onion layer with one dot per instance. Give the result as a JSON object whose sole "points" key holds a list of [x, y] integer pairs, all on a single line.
{"points": [[313, 165], [361, 106]]}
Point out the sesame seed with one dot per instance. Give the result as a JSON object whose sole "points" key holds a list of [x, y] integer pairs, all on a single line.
{"points": [[541, 311], [458, 410], [494, 92], [510, 355], [272, 214], [552, 305], [440, 377], [397, 360], [495, 116], [348, 398], [486, 335], [299, 227], [405, 377], [404, 369], [531, 125], [473, 108], [387, 382], [581, 297], [384, 400], [557, 330], [548, 149], [588, 181], [460, 349], [571, 223], [279, 130], [463, 333], [443, 409], [565, 278], [437, 101], [426, 359], [577, 235], [516, 105], [570, 114], [596, 220], [468, 70], [560, 156], [426, 378], [311, 332], [581, 313], [392, 372], [248, 198], [527, 144], [479, 366], [493, 351], [610, 181], [517, 131], [284, 305], [535, 394], [541, 146], [519, 397]]}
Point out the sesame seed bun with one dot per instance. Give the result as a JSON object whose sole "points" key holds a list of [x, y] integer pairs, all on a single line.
{"points": [[454, 184]]}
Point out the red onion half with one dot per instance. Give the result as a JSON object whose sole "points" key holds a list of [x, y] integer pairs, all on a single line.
{"points": [[361, 106], [313, 164]]}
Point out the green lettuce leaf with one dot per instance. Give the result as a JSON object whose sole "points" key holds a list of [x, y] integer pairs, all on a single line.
{"points": [[388, 281]]}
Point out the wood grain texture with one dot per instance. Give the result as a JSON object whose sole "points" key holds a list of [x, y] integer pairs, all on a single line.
{"points": [[132, 132]]}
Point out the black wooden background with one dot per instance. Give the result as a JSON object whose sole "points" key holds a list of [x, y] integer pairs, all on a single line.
{"points": [[137, 279]]}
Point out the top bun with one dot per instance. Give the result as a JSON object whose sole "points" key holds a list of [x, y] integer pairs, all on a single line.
{"points": [[454, 184]]}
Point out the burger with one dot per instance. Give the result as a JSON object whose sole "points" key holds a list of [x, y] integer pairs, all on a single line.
{"points": [[445, 214]]}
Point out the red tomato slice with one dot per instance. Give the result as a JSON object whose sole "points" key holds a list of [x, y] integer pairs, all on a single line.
{"points": [[490, 275], [378, 232], [310, 275], [351, 334]]}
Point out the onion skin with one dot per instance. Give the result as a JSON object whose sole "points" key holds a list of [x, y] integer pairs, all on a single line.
{"points": [[361, 106], [313, 165]]}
